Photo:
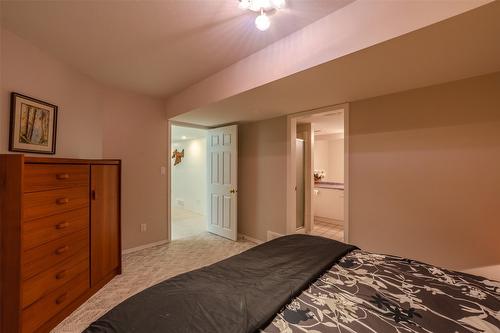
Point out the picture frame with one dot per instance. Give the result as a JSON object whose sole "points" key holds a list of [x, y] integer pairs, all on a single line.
{"points": [[33, 125]]}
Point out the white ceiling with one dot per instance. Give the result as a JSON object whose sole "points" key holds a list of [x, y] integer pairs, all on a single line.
{"points": [[153, 47], [325, 124], [463, 46], [181, 133]]}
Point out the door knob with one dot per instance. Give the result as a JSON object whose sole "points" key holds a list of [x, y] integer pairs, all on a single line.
{"points": [[233, 191]]}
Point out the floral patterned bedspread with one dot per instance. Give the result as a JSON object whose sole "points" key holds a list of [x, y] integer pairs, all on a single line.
{"points": [[368, 292]]}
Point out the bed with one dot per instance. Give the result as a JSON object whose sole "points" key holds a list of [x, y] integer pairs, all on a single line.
{"points": [[302, 283]]}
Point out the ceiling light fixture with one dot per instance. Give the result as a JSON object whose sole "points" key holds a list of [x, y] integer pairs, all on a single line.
{"points": [[262, 22], [264, 7]]}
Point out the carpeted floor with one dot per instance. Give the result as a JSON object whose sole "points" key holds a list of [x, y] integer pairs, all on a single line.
{"points": [[186, 223], [147, 267]]}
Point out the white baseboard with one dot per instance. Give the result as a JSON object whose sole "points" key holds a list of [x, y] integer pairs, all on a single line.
{"points": [[273, 235], [145, 246], [328, 220], [251, 239]]}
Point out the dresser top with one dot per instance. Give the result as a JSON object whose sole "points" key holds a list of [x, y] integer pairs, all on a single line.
{"points": [[57, 160]]}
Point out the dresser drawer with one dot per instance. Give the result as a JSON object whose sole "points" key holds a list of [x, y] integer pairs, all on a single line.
{"points": [[42, 177], [47, 255], [41, 204], [43, 230], [53, 278], [45, 308]]}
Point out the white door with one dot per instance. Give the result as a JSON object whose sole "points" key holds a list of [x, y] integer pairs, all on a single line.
{"points": [[222, 154]]}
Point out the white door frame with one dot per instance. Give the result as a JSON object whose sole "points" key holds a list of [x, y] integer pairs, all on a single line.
{"points": [[171, 123], [290, 170]]}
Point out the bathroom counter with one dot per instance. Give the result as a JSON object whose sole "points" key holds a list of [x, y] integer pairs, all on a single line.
{"points": [[328, 201]]}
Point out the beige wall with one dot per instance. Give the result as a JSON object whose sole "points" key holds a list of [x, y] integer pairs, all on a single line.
{"points": [[262, 178], [96, 121], [329, 157], [27, 70], [135, 130], [425, 173]]}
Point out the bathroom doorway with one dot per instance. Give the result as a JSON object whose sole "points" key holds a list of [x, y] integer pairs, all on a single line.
{"points": [[319, 171]]}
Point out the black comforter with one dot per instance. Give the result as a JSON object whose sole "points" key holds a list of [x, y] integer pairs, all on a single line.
{"points": [[240, 294]]}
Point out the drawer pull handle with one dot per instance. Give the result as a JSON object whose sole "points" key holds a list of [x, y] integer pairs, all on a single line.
{"points": [[62, 225], [62, 249], [61, 298], [60, 275], [62, 176], [62, 201]]}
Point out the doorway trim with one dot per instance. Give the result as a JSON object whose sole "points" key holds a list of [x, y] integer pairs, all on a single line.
{"points": [[170, 123], [291, 170]]}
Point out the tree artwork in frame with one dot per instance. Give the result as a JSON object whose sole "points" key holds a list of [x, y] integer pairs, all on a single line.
{"points": [[33, 125]]}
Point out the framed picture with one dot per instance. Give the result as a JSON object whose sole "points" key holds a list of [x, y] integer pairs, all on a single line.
{"points": [[33, 125]]}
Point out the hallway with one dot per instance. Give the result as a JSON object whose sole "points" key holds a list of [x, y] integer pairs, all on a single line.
{"points": [[186, 223]]}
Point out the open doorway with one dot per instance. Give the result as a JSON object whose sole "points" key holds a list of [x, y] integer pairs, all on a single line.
{"points": [[328, 172], [188, 181], [203, 178], [317, 167]]}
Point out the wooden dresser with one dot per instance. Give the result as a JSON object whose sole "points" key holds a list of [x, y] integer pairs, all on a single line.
{"points": [[60, 237]]}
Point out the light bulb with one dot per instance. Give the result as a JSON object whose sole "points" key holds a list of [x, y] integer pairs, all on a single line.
{"points": [[244, 4], [262, 22]]}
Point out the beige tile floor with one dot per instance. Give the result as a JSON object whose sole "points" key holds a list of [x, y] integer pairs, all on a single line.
{"points": [[186, 223], [150, 266], [328, 230]]}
